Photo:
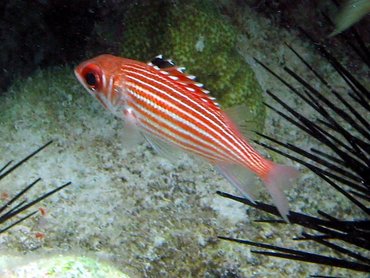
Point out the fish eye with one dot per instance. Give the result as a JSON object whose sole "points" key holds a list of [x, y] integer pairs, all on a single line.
{"points": [[92, 76], [90, 79]]}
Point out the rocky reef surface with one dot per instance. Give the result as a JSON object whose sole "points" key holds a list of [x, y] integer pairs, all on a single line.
{"points": [[144, 214]]}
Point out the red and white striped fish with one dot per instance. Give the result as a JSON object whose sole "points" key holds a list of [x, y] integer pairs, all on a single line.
{"points": [[166, 105]]}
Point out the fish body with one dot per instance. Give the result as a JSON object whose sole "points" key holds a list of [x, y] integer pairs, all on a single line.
{"points": [[167, 105]]}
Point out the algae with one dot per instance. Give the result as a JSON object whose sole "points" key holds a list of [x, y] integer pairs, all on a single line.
{"points": [[195, 35]]}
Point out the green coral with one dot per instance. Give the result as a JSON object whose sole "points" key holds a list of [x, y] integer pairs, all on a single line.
{"points": [[196, 35]]}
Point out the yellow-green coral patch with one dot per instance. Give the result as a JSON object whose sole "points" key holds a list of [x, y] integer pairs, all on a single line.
{"points": [[197, 36]]}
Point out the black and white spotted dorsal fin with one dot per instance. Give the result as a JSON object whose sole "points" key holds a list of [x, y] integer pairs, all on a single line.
{"points": [[177, 74], [161, 63]]}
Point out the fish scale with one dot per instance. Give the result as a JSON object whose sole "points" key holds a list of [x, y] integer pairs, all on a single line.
{"points": [[178, 107], [198, 127], [164, 103], [187, 142], [215, 130]]}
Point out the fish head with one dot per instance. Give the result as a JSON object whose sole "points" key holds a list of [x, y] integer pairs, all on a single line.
{"points": [[101, 77]]}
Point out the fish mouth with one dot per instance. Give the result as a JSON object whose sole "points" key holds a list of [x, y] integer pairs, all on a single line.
{"points": [[78, 71], [78, 75]]}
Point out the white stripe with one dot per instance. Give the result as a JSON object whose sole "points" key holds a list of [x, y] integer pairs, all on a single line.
{"points": [[182, 141], [181, 130], [109, 89], [240, 143], [104, 81], [240, 154], [189, 124]]}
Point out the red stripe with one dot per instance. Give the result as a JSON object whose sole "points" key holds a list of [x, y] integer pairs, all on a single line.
{"points": [[159, 131], [250, 157], [138, 107], [200, 122], [182, 99]]}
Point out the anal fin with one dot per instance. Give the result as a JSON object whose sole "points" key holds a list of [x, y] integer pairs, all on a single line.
{"points": [[241, 178]]}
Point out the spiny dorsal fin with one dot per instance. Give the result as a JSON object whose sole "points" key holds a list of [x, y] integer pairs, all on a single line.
{"points": [[160, 62], [177, 74]]}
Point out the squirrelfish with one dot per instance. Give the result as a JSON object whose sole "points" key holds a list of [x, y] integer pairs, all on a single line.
{"points": [[168, 106]]}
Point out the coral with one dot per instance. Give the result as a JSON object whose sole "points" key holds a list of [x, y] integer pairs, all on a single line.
{"points": [[196, 36], [57, 266]]}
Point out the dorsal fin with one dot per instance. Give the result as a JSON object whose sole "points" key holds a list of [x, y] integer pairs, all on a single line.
{"points": [[237, 116], [177, 74], [160, 62]]}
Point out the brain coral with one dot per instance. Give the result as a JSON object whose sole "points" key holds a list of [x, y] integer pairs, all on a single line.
{"points": [[197, 36]]}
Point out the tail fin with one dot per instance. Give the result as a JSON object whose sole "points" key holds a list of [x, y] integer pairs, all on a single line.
{"points": [[279, 178]]}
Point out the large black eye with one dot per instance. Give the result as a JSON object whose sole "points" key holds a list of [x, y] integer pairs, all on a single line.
{"points": [[92, 75], [90, 79]]}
